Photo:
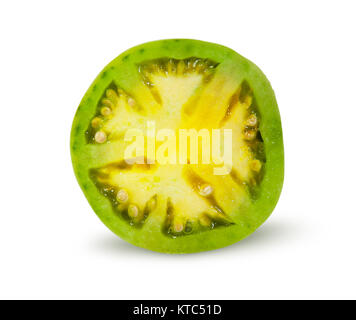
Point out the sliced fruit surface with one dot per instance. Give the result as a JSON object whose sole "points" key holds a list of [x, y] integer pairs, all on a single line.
{"points": [[178, 147]]}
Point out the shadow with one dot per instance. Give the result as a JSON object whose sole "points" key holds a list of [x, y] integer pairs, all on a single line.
{"points": [[271, 233], [112, 244]]}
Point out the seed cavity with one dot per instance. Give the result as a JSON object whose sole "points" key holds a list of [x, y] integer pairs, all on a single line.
{"points": [[107, 115], [169, 66], [100, 137], [204, 189], [174, 67]]}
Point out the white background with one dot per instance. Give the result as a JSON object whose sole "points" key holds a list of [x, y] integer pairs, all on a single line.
{"points": [[52, 245]]}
